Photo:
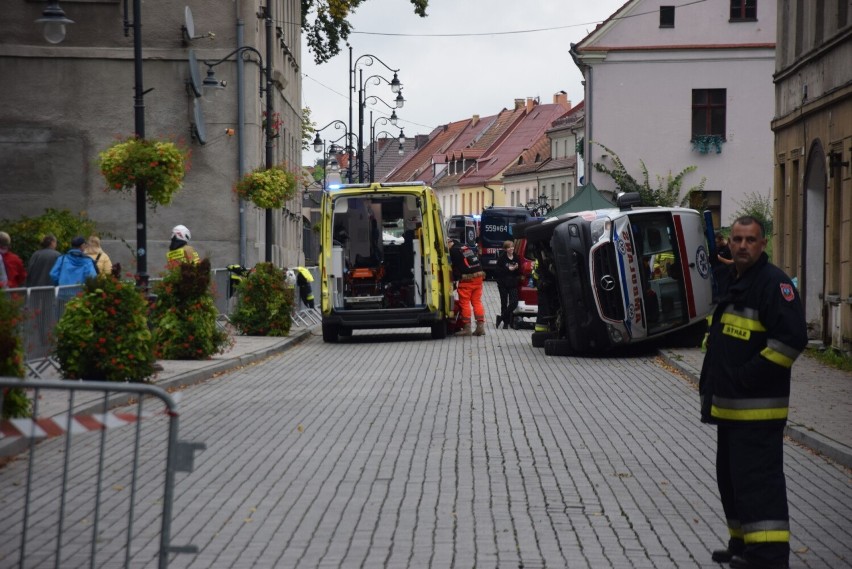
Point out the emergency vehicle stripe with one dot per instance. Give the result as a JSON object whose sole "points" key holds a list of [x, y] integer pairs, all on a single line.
{"points": [[742, 322], [780, 353], [684, 266]]}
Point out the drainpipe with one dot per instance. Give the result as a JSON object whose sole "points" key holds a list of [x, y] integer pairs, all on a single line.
{"points": [[492, 194], [586, 70], [241, 124]]}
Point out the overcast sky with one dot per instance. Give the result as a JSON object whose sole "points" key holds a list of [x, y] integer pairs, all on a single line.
{"points": [[479, 69]]}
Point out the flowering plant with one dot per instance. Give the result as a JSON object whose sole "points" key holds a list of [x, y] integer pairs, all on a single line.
{"points": [[264, 303], [15, 401], [160, 165], [184, 317], [103, 333], [276, 123], [267, 188]]}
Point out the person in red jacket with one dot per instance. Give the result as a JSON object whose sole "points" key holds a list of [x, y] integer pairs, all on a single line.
{"points": [[757, 331], [16, 274]]}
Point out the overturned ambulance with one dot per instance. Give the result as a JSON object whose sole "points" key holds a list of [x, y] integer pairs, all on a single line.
{"points": [[613, 277]]}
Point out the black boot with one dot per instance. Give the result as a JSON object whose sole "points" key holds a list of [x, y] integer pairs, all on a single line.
{"points": [[499, 319]]}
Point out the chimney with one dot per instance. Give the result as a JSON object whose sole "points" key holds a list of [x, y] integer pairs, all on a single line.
{"points": [[474, 120], [531, 102], [561, 98], [519, 104]]}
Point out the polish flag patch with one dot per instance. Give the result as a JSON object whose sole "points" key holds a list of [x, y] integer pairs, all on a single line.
{"points": [[787, 292]]}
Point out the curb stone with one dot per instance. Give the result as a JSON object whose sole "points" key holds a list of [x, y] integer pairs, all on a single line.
{"points": [[826, 446]]}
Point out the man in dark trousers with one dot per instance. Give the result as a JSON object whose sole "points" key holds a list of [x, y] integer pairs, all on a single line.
{"points": [[757, 331]]}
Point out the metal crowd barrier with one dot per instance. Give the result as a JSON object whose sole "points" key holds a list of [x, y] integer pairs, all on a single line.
{"points": [[100, 503]]}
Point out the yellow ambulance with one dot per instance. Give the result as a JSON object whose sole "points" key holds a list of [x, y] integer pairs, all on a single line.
{"points": [[372, 278]]}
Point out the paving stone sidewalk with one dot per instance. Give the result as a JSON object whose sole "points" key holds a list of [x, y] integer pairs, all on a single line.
{"points": [[820, 402]]}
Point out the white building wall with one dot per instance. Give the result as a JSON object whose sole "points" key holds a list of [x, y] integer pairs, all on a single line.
{"points": [[643, 111]]}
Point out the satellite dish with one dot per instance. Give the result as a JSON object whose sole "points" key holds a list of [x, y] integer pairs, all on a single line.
{"points": [[189, 26], [199, 129], [190, 23], [194, 77]]}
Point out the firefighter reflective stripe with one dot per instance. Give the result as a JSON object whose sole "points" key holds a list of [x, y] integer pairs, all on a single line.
{"points": [[779, 353], [763, 409], [541, 328], [766, 532], [180, 254], [305, 273], [745, 319]]}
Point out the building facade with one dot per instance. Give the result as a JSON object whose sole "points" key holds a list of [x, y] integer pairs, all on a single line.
{"points": [[679, 86], [71, 100], [813, 153]]}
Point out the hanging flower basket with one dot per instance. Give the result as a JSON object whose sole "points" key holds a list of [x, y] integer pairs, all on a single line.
{"points": [[160, 165], [267, 188]]}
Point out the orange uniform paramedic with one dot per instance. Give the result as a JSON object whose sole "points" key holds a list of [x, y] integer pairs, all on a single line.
{"points": [[467, 270]]}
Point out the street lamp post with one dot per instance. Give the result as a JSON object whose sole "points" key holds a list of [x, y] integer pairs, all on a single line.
{"points": [[319, 143], [395, 87], [362, 102], [373, 135]]}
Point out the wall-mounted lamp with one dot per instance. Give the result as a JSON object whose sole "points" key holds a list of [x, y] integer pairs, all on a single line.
{"points": [[54, 20]]}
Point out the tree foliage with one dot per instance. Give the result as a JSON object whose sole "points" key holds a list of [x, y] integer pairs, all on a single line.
{"points": [[325, 25], [668, 190], [759, 207], [308, 129]]}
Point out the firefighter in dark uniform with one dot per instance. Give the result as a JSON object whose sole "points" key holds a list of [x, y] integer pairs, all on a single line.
{"points": [[304, 278], [756, 333]]}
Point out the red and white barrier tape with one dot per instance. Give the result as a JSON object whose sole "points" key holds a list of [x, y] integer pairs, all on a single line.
{"points": [[56, 426]]}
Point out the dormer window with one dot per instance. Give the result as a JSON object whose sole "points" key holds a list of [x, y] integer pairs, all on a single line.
{"points": [[743, 10], [667, 14]]}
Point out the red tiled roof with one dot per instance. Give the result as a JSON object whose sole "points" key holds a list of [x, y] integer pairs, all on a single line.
{"points": [[528, 162], [527, 128], [418, 167]]}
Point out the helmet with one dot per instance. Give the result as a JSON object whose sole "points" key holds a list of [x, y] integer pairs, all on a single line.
{"points": [[181, 232]]}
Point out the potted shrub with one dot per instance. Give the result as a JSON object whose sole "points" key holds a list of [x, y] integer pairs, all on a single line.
{"points": [[267, 188], [264, 303], [103, 333], [160, 164], [184, 316], [15, 400]]}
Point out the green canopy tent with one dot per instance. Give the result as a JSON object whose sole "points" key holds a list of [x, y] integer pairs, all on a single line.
{"points": [[586, 199]]}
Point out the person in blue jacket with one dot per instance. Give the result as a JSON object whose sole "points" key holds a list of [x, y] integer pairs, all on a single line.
{"points": [[73, 268]]}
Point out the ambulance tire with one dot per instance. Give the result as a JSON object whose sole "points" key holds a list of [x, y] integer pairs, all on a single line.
{"points": [[557, 347], [345, 332], [539, 338], [330, 333], [439, 330]]}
